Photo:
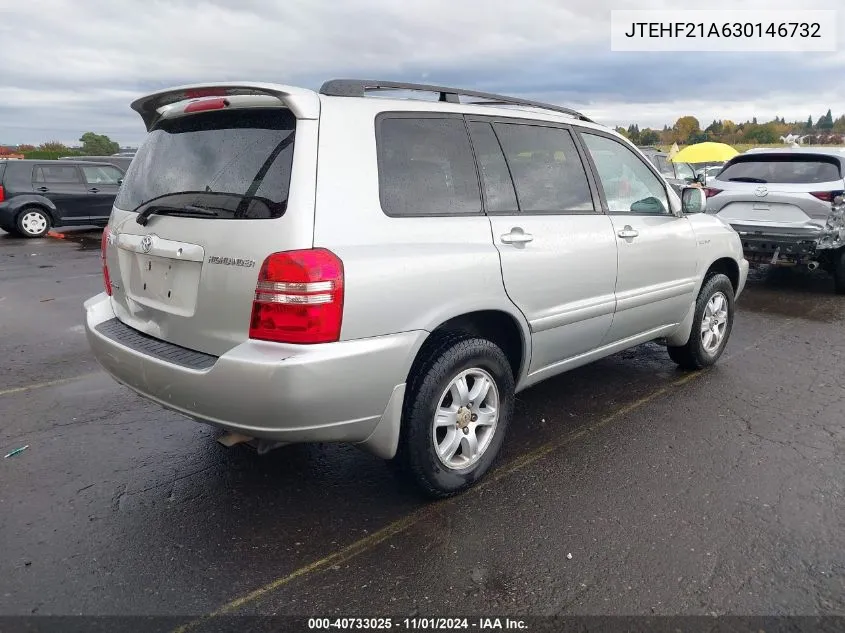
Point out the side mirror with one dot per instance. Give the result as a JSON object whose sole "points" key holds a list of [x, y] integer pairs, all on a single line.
{"points": [[120, 181], [699, 178], [693, 200]]}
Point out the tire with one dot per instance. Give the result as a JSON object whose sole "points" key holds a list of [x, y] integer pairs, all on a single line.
{"points": [[433, 385], [696, 354], [838, 269], [33, 222]]}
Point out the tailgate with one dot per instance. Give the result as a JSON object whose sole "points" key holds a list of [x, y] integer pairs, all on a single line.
{"points": [[216, 191]]}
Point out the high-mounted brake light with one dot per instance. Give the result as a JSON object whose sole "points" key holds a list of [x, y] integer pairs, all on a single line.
{"points": [[207, 104], [709, 192], [104, 244], [826, 196], [299, 298]]}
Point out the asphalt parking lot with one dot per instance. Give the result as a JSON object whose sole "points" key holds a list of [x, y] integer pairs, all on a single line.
{"points": [[710, 493]]}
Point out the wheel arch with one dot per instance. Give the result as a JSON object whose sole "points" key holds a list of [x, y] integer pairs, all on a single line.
{"points": [[727, 266], [504, 328]]}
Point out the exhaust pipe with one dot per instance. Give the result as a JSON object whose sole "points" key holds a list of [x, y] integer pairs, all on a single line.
{"points": [[812, 265]]}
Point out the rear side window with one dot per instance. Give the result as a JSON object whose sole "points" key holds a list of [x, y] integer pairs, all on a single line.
{"points": [[547, 171], [426, 167], [2, 170], [56, 174], [222, 159], [781, 169]]}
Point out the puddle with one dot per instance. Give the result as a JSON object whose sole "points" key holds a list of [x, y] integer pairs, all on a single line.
{"points": [[793, 292]]}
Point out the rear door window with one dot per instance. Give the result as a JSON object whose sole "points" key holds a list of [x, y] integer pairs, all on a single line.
{"points": [[426, 166], [499, 194], [782, 169], [236, 162], [56, 174], [547, 170]]}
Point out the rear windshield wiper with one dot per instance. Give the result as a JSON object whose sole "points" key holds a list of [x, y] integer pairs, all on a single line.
{"points": [[747, 179], [186, 211]]}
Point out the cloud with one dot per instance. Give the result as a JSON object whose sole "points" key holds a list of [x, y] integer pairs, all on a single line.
{"points": [[75, 66]]}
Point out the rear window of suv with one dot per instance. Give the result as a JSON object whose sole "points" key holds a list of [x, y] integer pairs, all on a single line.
{"points": [[221, 159], [782, 169]]}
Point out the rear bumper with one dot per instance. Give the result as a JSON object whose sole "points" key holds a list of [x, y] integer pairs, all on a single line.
{"points": [[340, 392], [760, 246]]}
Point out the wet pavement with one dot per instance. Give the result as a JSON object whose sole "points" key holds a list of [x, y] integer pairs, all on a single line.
{"points": [[718, 492]]}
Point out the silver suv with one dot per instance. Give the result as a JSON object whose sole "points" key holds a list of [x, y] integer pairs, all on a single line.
{"points": [[300, 266], [787, 205]]}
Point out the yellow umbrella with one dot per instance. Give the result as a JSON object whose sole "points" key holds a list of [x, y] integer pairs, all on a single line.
{"points": [[705, 153]]}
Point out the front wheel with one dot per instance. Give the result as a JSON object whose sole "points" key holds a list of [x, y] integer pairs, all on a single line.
{"points": [[711, 325], [457, 409], [33, 222]]}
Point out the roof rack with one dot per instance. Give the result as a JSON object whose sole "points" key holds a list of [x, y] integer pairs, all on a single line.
{"points": [[360, 87]]}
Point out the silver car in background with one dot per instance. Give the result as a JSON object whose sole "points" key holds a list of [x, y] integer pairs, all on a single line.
{"points": [[787, 206]]}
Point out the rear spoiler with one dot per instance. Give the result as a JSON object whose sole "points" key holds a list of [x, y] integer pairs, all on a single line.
{"points": [[303, 103]]}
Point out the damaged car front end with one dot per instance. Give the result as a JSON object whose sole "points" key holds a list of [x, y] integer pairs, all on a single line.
{"points": [[788, 207]]}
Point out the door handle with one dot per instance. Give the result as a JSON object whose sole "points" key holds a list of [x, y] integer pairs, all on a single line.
{"points": [[93, 190], [42, 189], [516, 236], [628, 232]]}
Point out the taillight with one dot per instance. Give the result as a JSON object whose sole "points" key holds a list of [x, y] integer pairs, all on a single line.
{"points": [[826, 196], [298, 298], [2, 193], [709, 192], [104, 244]]}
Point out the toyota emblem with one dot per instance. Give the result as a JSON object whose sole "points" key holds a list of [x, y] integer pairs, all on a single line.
{"points": [[760, 192], [146, 244]]}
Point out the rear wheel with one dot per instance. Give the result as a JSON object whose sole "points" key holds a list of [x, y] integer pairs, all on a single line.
{"points": [[457, 409], [33, 222], [711, 325]]}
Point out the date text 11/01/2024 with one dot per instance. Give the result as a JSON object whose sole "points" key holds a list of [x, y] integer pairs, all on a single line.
{"points": [[727, 30], [418, 624]]}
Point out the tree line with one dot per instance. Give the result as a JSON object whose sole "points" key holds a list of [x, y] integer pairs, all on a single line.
{"points": [[824, 131], [92, 145]]}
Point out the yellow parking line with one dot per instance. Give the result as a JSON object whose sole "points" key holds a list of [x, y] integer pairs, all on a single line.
{"points": [[49, 383], [401, 525]]}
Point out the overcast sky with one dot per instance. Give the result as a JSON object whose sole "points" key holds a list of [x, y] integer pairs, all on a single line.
{"points": [[71, 66]]}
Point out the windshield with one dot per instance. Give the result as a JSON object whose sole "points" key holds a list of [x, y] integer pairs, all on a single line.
{"points": [[782, 169], [244, 153]]}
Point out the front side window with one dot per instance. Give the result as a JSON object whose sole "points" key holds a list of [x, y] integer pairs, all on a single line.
{"points": [[629, 185], [547, 171], [102, 175], [684, 171], [426, 167]]}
